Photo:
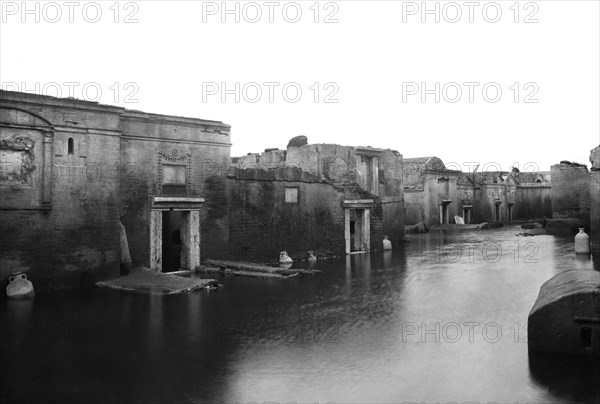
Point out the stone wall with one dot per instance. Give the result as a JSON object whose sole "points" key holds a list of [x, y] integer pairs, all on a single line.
{"points": [[533, 201], [59, 222], [262, 223], [72, 169], [391, 192], [595, 200], [570, 192], [348, 169], [595, 211], [414, 202], [149, 144]]}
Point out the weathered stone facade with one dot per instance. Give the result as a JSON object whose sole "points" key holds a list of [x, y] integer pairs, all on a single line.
{"points": [[434, 195], [355, 173], [595, 200], [571, 192], [429, 189], [283, 209], [72, 169]]}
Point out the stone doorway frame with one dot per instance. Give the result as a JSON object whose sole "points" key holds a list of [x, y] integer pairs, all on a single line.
{"points": [[510, 211], [444, 211], [363, 210], [467, 209], [190, 230], [498, 210]]}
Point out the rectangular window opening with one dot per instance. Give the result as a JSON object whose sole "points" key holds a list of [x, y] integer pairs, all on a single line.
{"points": [[291, 195]]}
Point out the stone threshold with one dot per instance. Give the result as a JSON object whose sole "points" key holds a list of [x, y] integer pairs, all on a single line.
{"points": [[147, 281]]}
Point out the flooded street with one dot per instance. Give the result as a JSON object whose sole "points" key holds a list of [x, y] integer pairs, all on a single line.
{"points": [[442, 320]]}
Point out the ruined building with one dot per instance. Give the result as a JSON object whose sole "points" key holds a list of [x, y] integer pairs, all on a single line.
{"points": [[434, 194], [72, 172], [325, 197], [72, 169]]}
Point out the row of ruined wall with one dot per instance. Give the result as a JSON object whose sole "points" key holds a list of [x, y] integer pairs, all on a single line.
{"points": [[422, 205], [344, 167]]}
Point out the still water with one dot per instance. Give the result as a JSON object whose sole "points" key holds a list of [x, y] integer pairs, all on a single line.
{"points": [[442, 319]]}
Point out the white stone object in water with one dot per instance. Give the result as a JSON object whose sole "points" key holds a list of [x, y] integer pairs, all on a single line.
{"points": [[387, 244], [582, 242], [19, 287], [284, 258]]}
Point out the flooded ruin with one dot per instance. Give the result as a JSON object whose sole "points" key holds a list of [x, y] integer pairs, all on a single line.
{"points": [[442, 319]]}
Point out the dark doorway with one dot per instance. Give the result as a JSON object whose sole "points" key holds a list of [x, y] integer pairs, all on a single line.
{"points": [[356, 230], [171, 240]]}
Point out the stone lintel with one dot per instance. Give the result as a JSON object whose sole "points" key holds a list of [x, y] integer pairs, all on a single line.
{"points": [[368, 151], [175, 203], [359, 203]]}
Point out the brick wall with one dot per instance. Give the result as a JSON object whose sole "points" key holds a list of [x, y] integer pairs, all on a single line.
{"points": [[533, 201], [261, 223], [140, 177], [72, 169], [62, 227], [595, 210], [570, 192]]}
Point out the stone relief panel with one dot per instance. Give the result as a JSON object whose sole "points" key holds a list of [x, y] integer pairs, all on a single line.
{"points": [[21, 168], [17, 160], [174, 174]]}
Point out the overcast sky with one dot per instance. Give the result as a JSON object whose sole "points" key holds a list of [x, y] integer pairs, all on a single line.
{"points": [[369, 60]]}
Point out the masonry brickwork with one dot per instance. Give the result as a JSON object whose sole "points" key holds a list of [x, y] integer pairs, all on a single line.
{"points": [[262, 223], [357, 172], [571, 192], [491, 196], [72, 169], [595, 200]]}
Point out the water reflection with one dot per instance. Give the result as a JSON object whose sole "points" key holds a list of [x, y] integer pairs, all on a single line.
{"points": [[387, 259], [342, 335]]}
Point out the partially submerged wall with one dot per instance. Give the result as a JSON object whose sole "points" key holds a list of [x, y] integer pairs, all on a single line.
{"points": [[565, 315], [60, 202], [72, 169], [595, 200], [533, 201], [263, 221], [570, 192], [359, 172]]}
